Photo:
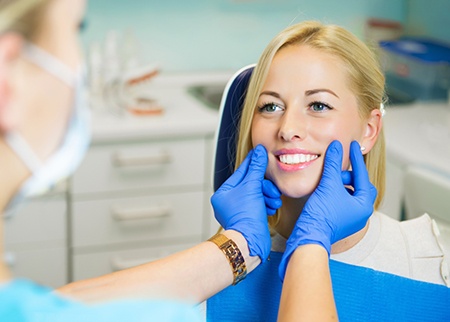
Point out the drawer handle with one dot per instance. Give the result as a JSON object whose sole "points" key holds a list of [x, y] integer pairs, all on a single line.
{"points": [[120, 160], [156, 212], [118, 264]]}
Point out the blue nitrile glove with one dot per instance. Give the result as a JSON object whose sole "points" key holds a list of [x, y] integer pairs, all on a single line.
{"points": [[243, 202], [272, 197], [333, 212]]}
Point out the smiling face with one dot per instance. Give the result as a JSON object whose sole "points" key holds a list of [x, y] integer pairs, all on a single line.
{"points": [[305, 104]]}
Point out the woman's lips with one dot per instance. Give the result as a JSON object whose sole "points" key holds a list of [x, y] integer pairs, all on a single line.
{"points": [[295, 159]]}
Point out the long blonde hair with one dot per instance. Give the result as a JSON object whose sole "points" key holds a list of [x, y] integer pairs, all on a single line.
{"points": [[365, 77], [21, 16]]}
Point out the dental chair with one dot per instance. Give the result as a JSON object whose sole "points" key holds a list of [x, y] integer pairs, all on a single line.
{"points": [[226, 135], [361, 294]]}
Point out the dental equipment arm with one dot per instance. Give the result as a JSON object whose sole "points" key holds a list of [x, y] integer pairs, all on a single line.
{"points": [[241, 206], [331, 213]]}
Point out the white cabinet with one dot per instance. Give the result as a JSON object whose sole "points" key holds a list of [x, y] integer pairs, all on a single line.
{"points": [[392, 204], [91, 264], [36, 240], [128, 166], [143, 190], [417, 137], [147, 218], [137, 201]]}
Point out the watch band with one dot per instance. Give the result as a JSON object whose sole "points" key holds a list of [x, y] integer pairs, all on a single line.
{"points": [[233, 254]]}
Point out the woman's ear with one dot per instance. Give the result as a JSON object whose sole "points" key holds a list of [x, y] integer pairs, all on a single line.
{"points": [[372, 130], [10, 49]]}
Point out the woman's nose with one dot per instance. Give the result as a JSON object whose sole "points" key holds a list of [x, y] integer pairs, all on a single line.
{"points": [[293, 126]]}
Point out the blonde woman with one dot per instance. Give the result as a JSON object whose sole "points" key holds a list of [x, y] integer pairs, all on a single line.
{"points": [[317, 83], [312, 85]]}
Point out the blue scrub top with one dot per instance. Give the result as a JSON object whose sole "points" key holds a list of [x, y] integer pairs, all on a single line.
{"points": [[21, 301]]}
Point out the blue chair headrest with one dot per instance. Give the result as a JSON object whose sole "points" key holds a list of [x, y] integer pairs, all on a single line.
{"points": [[227, 134]]}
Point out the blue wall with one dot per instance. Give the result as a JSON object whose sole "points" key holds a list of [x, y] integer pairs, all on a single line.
{"points": [[183, 35], [429, 17]]}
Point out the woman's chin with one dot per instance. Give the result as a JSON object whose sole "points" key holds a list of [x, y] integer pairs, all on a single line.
{"points": [[295, 186], [295, 193]]}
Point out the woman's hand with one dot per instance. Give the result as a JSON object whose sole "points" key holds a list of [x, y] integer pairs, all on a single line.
{"points": [[334, 212], [243, 202]]}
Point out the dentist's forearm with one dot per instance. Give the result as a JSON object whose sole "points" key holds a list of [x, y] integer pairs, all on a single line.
{"points": [[192, 275], [307, 294]]}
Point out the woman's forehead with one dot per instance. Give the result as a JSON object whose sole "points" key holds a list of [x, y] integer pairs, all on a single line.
{"points": [[307, 68]]}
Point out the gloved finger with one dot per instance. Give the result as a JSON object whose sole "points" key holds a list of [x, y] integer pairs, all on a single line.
{"points": [[241, 172], [272, 203], [269, 189], [333, 160], [347, 178], [271, 212], [258, 164], [361, 181]]}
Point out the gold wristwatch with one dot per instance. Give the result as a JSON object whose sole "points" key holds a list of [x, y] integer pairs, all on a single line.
{"points": [[233, 254]]}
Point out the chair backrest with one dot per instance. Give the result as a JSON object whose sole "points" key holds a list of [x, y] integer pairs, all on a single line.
{"points": [[227, 133]]}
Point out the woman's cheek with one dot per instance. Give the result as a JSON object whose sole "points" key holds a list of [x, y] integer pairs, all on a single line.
{"points": [[270, 167], [346, 162], [346, 152]]}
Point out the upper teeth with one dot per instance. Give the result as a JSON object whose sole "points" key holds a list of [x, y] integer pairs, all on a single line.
{"points": [[297, 158]]}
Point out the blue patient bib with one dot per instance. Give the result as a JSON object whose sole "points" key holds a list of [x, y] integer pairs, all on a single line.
{"points": [[361, 294]]}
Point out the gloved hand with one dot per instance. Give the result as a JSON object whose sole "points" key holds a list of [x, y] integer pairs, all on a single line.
{"points": [[333, 212], [243, 202]]}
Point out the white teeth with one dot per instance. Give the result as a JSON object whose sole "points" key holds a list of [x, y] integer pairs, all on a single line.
{"points": [[297, 158]]}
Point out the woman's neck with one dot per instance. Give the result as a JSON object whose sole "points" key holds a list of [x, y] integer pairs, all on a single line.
{"points": [[289, 214]]}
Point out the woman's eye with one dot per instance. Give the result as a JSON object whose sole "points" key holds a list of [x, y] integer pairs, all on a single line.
{"points": [[270, 108], [319, 107]]}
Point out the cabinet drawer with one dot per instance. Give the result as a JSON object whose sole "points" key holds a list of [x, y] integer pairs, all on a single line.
{"points": [[112, 221], [39, 220], [45, 266], [96, 264], [130, 166]]}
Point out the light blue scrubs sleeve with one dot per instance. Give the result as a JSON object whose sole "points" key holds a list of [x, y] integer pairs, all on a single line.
{"points": [[23, 301]]}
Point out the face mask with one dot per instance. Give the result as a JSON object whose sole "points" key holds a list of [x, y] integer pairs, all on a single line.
{"points": [[63, 162]]}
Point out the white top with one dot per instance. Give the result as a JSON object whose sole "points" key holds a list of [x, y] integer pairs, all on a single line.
{"points": [[409, 248]]}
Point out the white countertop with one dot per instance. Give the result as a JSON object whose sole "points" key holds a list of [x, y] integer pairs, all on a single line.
{"points": [[419, 134], [183, 114]]}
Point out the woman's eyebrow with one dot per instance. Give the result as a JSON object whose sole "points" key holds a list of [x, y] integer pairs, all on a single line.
{"points": [[315, 91], [274, 94]]}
